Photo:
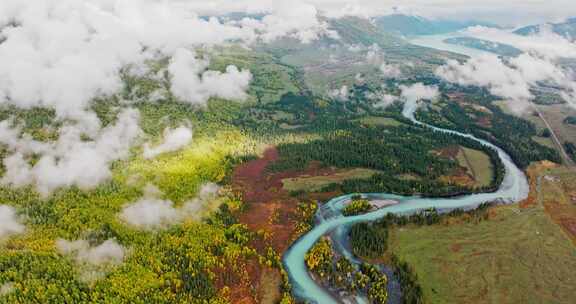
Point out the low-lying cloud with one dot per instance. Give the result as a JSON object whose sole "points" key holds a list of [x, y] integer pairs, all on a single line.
{"points": [[9, 223], [382, 100], [72, 160], [412, 94], [341, 94], [511, 79], [151, 213], [174, 140], [6, 289], [63, 53], [419, 91], [390, 70], [190, 82], [107, 253]]}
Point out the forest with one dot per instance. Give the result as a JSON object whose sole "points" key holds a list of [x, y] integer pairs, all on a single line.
{"points": [[370, 241], [337, 272], [511, 133], [393, 150], [203, 258], [570, 150]]}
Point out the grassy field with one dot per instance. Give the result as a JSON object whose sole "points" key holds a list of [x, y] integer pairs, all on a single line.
{"points": [[555, 114], [477, 163], [545, 141], [557, 194], [270, 284], [316, 183], [380, 121], [518, 256]]}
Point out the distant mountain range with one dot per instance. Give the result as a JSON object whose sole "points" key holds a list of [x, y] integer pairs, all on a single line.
{"points": [[409, 25], [566, 29]]}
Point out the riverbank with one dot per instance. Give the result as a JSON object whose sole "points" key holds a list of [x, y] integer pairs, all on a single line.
{"points": [[520, 255], [514, 188]]}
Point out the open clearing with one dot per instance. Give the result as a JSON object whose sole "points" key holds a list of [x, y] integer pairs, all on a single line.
{"points": [[475, 170], [380, 121], [519, 255], [478, 164], [545, 141], [316, 183], [557, 194]]}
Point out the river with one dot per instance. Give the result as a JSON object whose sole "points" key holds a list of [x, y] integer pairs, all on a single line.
{"points": [[514, 188], [438, 42]]}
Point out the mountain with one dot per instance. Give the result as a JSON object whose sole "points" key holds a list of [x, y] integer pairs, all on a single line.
{"points": [[566, 29], [408, 25]]}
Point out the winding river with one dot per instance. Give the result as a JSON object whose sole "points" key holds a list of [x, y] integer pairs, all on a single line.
{"points": [[513, 189]]}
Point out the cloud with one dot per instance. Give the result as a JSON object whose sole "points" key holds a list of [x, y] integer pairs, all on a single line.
{"points": [[374, 54], [174, 140], [419, 91], [9, 224], [414, 93], [295, 19], [509, 12], [342, 94], [390, 70], [487, 71], [63, 53], [190, 82], [545, 43], [511, 80], [383, 100], [71, 160], [151, 213], [109, 252], [6, 289]]}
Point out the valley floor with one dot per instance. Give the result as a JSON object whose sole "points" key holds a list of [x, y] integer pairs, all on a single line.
{"points": [[522, 254]]}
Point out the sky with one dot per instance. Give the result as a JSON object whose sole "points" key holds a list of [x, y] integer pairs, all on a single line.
{"points": [[504, 12]]}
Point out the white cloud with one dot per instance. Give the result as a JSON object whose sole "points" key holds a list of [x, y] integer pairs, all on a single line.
{"points": [[71, 160], [151, 213], [546, 43], [511, 80], [63, 53], [174, 140], [191, 83], [419, 91], [414, 93], [295, 19], [487, 71], [9, 224], [342, 94], [390, 70], [374, 55], [6, 289], [109, 252], [383, 100]]}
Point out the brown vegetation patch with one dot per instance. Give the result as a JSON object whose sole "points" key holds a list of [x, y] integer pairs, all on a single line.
{"points": [[569, 224], [484, 121], [553, 186], [271, 212], [270, 208], [449, 152], [239, 280], [456, 247]]}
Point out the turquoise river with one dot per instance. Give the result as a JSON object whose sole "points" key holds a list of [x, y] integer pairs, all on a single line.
{"points": [[330, 221]]}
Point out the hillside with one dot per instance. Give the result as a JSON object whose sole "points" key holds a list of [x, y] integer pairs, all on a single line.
{"points": [[567, 29], [415, 25]]}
